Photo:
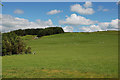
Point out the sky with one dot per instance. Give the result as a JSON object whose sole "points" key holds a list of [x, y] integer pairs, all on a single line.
{"points": [[71, 16]]}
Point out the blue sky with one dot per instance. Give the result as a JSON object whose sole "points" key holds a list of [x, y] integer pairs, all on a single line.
{"points": [[32, 11]]}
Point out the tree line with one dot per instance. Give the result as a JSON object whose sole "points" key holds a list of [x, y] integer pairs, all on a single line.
{"points": [[39, 31], [13, 44]]}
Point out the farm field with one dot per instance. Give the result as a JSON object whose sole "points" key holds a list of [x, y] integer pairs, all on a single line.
{"points": [[67, 55]]}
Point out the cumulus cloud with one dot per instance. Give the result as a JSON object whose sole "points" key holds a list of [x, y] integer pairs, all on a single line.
{"points": [[77, 20], [88, 4], [54, 12], [91, 28], [113, 25], [85, 10], [109, 25], [18, 11], [104, 25], [10, 23], [68, 29], [46, 23]]}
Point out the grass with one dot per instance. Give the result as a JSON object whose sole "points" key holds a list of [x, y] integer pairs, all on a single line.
{"points": [[68, 55]]}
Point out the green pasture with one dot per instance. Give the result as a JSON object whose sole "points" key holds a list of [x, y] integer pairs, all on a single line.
{"points": [[67, 55]]}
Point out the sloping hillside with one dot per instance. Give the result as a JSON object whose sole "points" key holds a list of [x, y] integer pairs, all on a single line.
{"points": [[68, 55]]}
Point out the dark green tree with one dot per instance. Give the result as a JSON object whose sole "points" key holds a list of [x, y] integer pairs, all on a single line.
{"points": [[13, 44]]}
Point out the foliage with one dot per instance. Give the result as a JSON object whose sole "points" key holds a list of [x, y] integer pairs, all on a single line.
{"points": [[13, 44], [39, 32], [28, 50], [50, 31]]}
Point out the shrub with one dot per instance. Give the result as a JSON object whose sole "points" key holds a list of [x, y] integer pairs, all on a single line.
{"points": [[13, 44], [28, 50]]}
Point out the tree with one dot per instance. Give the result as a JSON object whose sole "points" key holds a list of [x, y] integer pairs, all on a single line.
{"points": [[13, 44], [41, 33], [28, 50]]}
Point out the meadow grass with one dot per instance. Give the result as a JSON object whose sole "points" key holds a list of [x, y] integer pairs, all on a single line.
{"points": [[68, 55]]}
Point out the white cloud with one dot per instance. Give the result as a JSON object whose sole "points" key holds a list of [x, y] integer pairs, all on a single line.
{"points": [[113, 25], [54, 12], [77, 20], [88, 4], [18, 11], [68, 29], [13, 23], [104, 25], [85, 10], [46, 23], [92, 28], [109, 25]]}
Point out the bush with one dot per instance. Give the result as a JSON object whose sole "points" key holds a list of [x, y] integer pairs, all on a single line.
{"points": [[13, 44], [28, 50]]}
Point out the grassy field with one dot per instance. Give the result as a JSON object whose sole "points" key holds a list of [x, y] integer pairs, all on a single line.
{"points": [[68, 55]]}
